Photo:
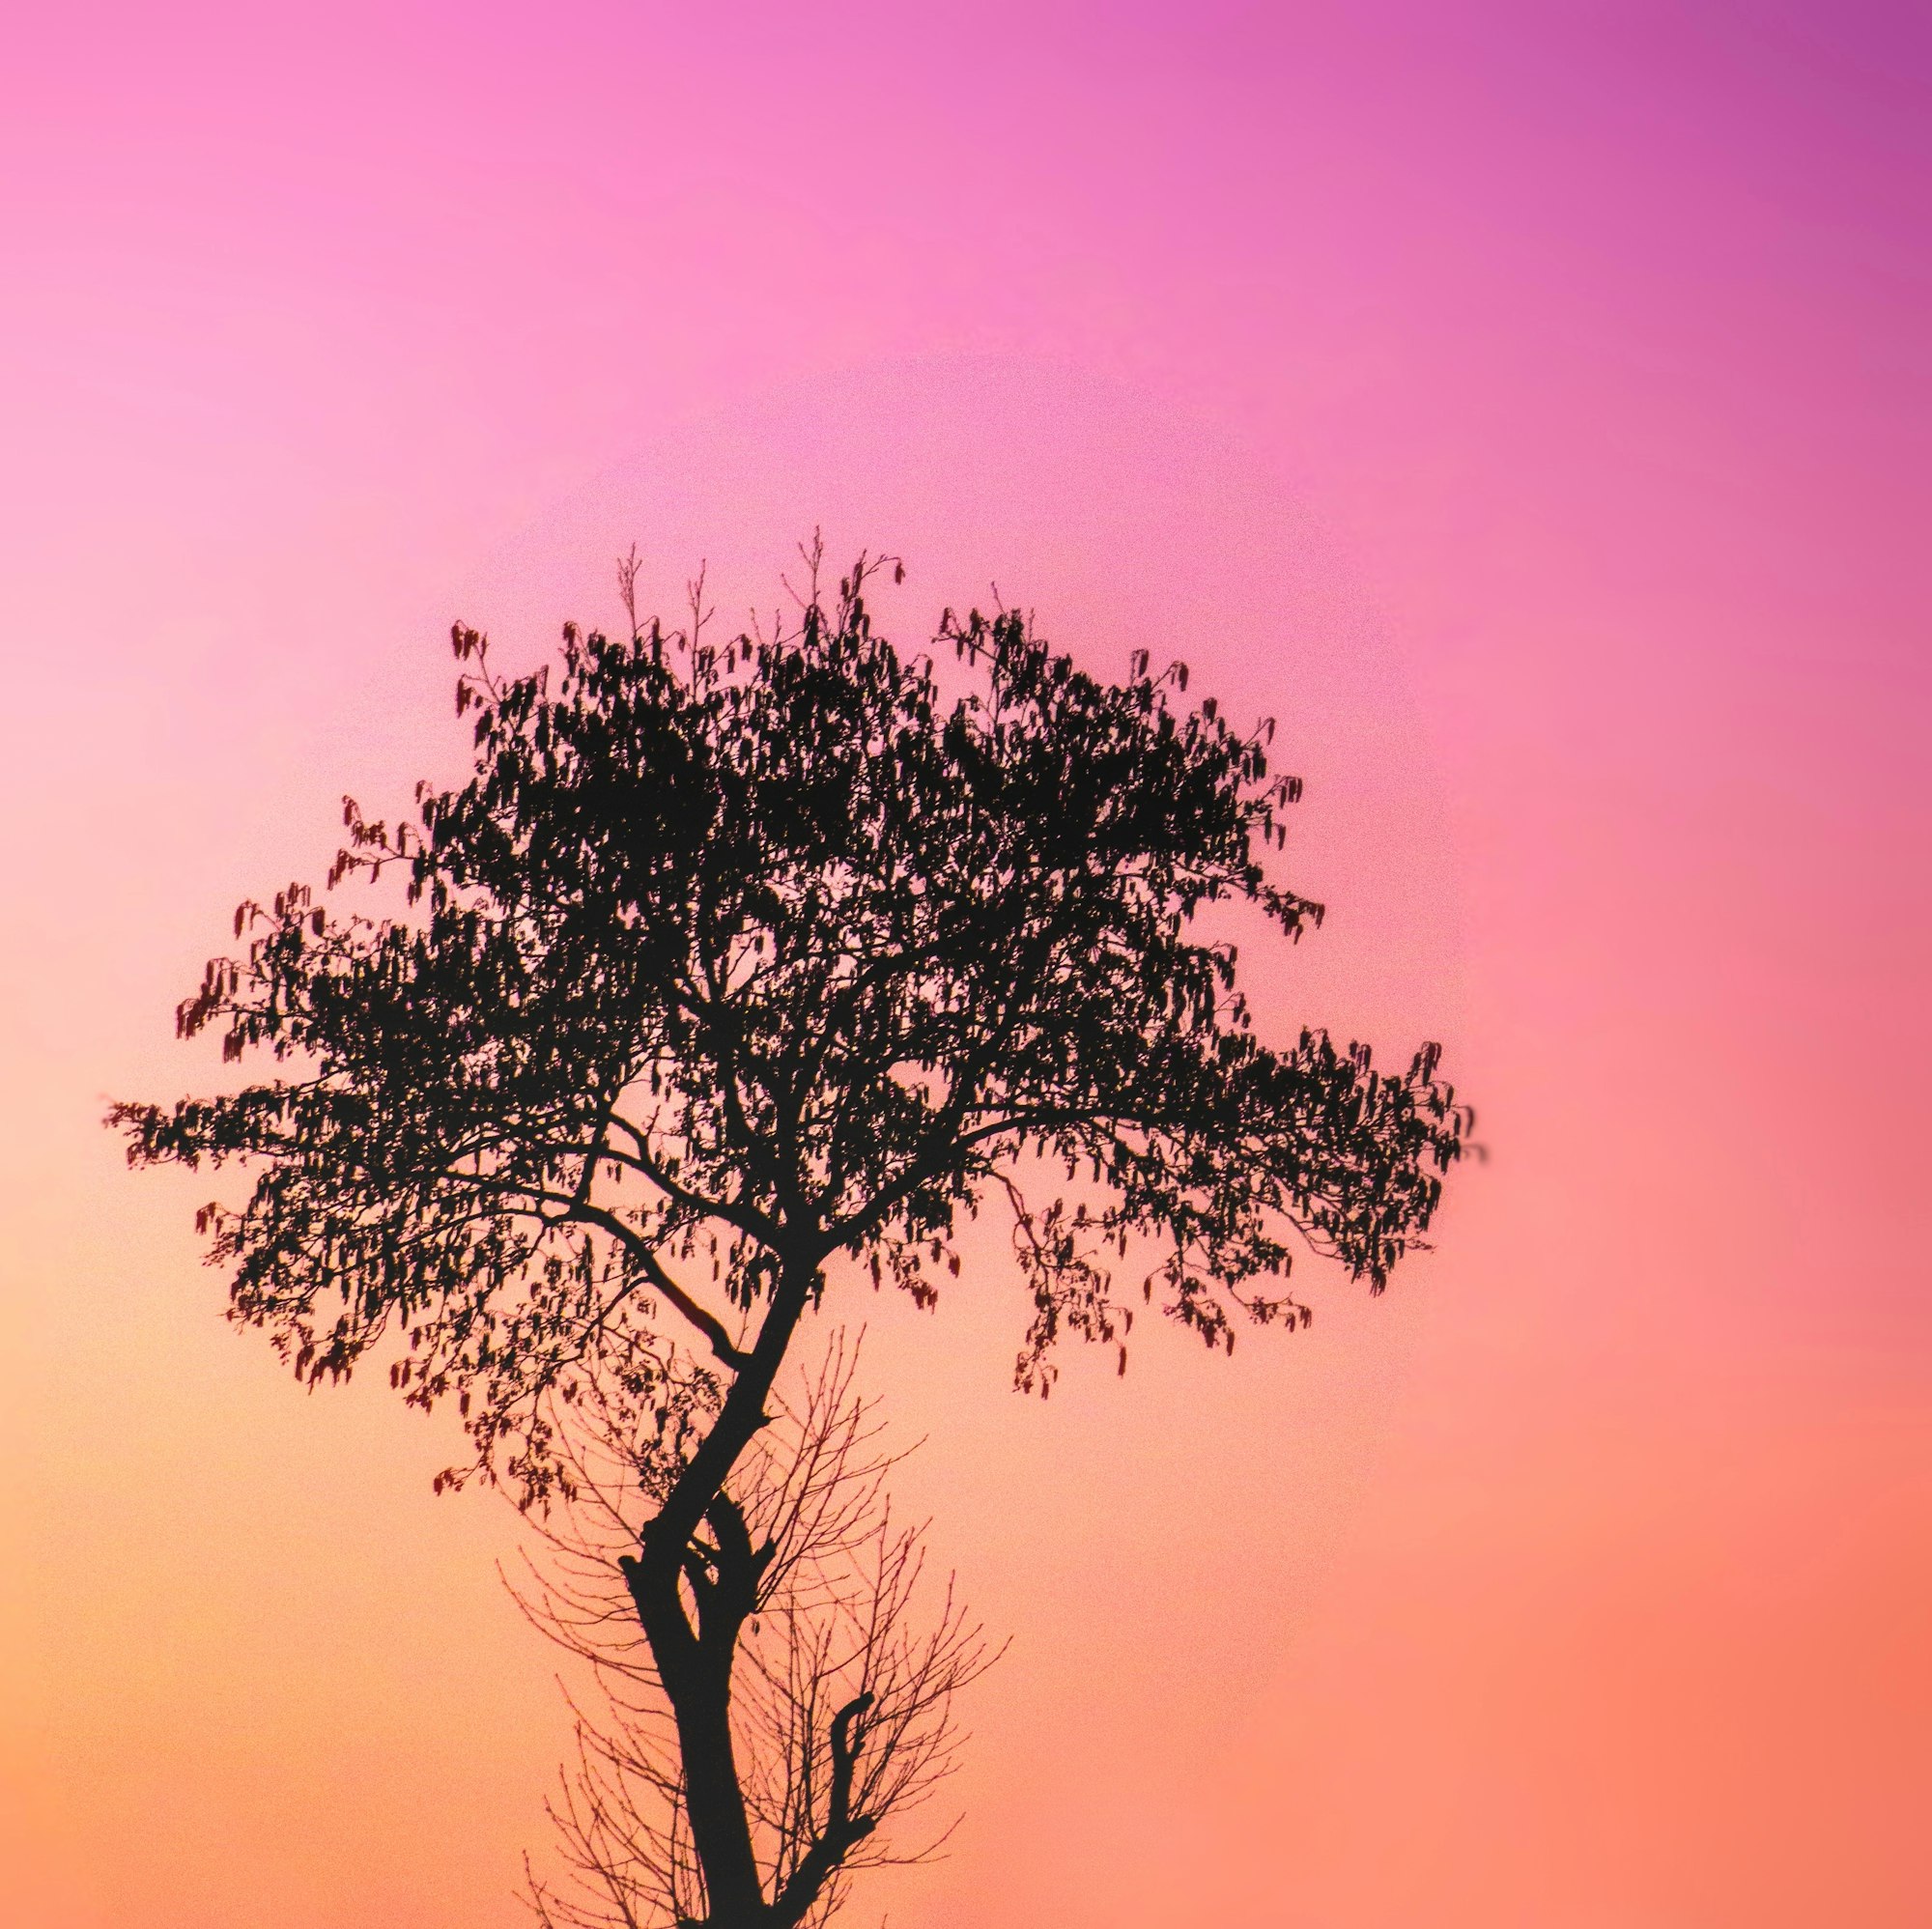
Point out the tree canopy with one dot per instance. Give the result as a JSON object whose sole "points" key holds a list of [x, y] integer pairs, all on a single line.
{"points": [[731, 960]]}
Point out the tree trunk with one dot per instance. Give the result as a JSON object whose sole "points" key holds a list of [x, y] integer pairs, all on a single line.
{"points": [[694, 1663], [716, 1805]]}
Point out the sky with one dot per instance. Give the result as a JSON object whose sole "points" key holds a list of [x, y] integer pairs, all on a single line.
{"points": [[1526, 406]]}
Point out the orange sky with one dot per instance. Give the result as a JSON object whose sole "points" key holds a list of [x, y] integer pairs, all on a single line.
{"points": [[1531, 417]]}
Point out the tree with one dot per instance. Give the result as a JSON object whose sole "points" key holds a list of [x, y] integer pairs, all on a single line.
{"points": [[732, 972]]}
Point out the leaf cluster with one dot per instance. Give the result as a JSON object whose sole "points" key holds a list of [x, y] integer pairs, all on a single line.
{"points": [[728, 963]]}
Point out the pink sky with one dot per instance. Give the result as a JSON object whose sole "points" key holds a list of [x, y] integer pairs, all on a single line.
{"points": [[1527, 406]]}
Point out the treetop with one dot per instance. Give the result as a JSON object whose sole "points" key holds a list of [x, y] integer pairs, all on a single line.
{"points": [[730, 962]]}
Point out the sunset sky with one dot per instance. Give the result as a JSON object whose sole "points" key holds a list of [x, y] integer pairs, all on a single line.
{"points": [[1526, 405]]}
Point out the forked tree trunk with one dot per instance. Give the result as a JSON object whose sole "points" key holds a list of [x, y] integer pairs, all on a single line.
{"points": [[695, 1662]]}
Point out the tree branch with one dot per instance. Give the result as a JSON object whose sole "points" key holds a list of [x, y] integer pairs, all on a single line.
{"points": [[662, 1283]]}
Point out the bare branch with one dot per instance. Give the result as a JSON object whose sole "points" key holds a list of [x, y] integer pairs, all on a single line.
{"points": [[842, 1703]]}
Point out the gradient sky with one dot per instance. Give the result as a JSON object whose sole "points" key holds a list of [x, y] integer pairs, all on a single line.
{"points": [[1527, 404]]}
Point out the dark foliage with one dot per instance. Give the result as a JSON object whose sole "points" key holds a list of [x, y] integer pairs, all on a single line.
{"points": [[731, 964]]}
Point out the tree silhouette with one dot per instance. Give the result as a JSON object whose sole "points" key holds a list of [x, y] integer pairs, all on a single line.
{"points": [[732, 970]]}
